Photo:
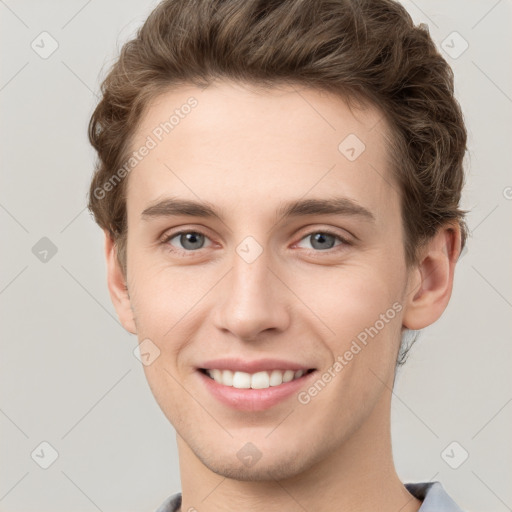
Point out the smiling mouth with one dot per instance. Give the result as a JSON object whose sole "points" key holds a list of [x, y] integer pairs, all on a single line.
{"points": [[258, 380]]}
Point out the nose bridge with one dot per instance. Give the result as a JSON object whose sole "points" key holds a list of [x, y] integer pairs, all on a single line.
{"points": [[251, 269], [252, 298]]}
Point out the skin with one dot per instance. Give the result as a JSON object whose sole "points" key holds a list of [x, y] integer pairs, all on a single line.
{"points": [[245, 151]]}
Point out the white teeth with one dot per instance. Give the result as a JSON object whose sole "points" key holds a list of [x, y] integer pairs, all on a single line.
{"points": [[276, 377], [241, 380], [258, 380], [288, 375], [227, 378]]}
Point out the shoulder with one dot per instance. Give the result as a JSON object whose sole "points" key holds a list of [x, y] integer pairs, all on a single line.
{"points": [[434, 497], [171, 504]]}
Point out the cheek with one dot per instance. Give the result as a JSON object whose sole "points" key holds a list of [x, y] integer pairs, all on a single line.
{"points": [[360, 311], [163, 296], [344, 297], [349, 298], [361, 305]]}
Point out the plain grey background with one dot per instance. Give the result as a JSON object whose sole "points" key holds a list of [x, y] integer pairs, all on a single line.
{"points": [[68, 373]]}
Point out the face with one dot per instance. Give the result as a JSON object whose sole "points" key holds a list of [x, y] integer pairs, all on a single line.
{"points": [[256, 286]]}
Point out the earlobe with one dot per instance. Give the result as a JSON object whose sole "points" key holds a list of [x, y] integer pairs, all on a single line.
{"points": [[117, 286], [432, 282]]}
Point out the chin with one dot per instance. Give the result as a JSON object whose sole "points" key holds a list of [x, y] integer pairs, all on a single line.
{"points": [[262, 471]]}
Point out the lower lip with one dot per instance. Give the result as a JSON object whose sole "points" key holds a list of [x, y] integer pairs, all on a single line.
{"points": [[254, 399]]}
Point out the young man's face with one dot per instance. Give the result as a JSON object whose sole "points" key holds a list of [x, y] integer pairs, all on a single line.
{"points": [[254, 285]]}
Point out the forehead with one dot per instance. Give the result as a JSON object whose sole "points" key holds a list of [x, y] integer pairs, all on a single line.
{"points": [[244, 148]]}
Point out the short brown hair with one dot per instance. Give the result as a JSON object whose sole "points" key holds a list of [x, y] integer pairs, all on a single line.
{"points": [[368, 50]]}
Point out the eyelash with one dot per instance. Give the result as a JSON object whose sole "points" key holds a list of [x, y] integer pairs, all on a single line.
{"points": [[166, 239]]}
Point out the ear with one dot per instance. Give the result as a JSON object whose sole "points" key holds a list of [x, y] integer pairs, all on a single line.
{"points": [[117, 286], [430, 283]]}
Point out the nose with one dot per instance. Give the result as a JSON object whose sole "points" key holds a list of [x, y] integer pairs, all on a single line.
{"points": [[255, 299]]}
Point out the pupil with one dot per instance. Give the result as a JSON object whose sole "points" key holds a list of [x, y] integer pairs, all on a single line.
{"points": [[321, 237], [191, 238]]}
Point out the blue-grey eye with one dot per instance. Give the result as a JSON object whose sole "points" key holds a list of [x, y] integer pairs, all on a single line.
{"points": [[322, 240], [188, 240]]}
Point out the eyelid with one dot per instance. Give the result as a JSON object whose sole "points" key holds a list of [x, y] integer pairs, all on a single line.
{"points": [[172, 232], [168, 235], [345, 241]]}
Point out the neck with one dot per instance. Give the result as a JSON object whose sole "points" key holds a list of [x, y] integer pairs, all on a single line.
{"points": [[358, 476]]}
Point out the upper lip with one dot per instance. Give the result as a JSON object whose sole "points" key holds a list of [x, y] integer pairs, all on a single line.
{"points": [[252, 366]]}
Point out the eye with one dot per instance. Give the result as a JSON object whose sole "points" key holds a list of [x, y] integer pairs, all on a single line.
{"points": [[189, 241], [324, 240]]}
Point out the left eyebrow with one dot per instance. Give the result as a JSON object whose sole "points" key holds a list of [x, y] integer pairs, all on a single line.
{"points": [[332, 206], [300, 208]]}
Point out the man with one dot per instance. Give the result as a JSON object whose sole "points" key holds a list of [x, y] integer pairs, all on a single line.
{"points": [[279, 187]]}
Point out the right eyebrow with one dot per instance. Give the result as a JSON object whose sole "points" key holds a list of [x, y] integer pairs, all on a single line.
{"points": [[173, 206]]}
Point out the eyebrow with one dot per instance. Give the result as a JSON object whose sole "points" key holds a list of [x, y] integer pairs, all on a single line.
{"points": [[171, 206]]}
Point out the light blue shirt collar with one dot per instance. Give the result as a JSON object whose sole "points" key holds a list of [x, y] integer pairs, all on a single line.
{"points": [[433, 495]]}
